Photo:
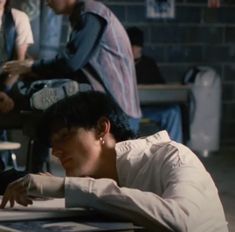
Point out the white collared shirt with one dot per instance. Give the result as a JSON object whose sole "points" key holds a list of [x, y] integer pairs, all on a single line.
{"points": [[162, 184]]}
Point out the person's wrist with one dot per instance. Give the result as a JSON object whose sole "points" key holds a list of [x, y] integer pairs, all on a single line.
{"points": [[46, 186]]}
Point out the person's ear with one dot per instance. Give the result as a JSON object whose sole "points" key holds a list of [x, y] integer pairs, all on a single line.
{"points": [[103, 127]]}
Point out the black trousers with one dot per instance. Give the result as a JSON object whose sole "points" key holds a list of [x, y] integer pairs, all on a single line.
{"points": [[6, 177], [21, 93]]}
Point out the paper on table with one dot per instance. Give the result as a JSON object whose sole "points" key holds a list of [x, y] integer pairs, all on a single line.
{"points": [[42, 204], [91, 226], [49, 209], [8, 229], [39, 204], [43, 209]]}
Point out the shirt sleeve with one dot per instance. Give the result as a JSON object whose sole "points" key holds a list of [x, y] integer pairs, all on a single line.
{"points": [[23, 28], [144, 208], [79, 49], [185, 196]]}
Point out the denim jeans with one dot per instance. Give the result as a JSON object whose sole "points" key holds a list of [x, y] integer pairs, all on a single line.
{"points": [[169, 118], [134, 124]]}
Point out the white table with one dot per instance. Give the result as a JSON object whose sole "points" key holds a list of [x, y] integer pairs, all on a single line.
{"points": [[163, 94], [168, 94], [9, 146]]}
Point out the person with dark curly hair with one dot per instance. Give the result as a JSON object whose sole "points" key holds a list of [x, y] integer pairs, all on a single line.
{"points": [[153, 181]]}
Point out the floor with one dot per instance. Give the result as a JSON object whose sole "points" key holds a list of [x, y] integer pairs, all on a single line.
{"points": [[222, 168]]}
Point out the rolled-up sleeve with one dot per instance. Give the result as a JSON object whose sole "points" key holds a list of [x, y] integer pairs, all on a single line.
{"points": [[79, 49]]}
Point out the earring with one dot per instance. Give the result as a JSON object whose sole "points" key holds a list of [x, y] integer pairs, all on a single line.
{"points": [[102, 140]]}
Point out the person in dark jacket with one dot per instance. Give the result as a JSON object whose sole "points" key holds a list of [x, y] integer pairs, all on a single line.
{"points": [[147, 71]]}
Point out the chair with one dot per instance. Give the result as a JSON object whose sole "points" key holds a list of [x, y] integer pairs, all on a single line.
{"points": [[25, 121], [10, 146]]}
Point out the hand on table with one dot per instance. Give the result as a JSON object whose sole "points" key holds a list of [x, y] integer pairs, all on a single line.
{"points": [[22, 190], [18, 67]]}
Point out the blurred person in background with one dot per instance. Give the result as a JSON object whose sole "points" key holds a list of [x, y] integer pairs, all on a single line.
{"points": [[168, 117], [15, 38], [98, 52]]}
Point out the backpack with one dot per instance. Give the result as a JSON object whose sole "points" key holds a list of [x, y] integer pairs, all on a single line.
{"points": [[205, 108]]}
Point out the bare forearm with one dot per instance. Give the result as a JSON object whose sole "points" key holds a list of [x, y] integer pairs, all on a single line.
{"points": [[21, 52]]}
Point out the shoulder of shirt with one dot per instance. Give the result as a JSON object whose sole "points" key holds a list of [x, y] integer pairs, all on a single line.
{"points": [[18, 14], [139, 144], [173, 153]]}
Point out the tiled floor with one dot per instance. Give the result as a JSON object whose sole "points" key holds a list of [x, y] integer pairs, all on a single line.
{"points": [[222, 168]]}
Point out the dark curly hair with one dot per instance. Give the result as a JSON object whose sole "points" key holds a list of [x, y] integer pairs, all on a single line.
{"points": [[83, 111]]}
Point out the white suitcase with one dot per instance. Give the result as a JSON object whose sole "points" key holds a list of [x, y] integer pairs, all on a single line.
{"points": [[205, 108]]}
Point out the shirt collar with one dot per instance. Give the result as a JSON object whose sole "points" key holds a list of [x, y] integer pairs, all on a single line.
{"points": [[126, 146], [129, 153]]}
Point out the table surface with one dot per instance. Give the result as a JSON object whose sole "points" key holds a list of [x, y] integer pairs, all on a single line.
{"points": [[45, 212], [9, 146], [163, 94], [165, 87], [68, 225]]}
